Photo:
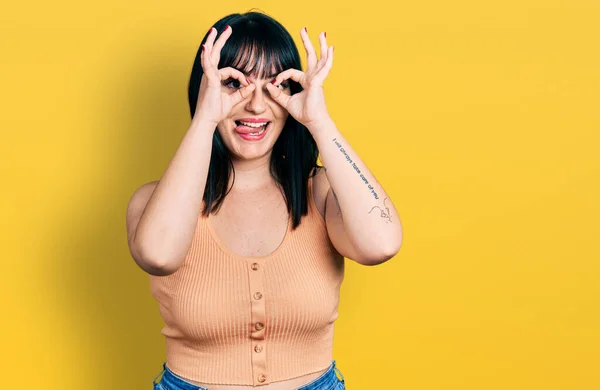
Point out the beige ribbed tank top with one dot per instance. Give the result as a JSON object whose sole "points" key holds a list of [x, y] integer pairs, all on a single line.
{"points": [[238, 320]]}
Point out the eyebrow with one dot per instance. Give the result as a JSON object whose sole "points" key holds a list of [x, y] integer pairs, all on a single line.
{"points": [[248, 74]]}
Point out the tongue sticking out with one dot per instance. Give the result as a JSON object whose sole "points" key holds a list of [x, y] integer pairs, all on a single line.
{"points": [[247, 129]]}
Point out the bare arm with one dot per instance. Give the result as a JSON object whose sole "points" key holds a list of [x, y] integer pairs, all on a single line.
{"points": [[362, 221], [162, 216]]}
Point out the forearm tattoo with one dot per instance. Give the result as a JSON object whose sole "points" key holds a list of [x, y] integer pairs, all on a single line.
{"points": [[384, 214], [356, 168]]}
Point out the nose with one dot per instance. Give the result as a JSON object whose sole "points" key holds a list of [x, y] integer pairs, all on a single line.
{"points": [[257, 102]]}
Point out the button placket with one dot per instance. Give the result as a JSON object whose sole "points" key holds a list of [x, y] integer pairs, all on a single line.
{"points": [[259, 324]]}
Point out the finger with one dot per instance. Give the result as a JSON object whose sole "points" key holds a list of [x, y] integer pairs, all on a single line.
{"points": [[216, 49], [241, 94], [205, 55], [323, 41], [294, 74], [278, 95], [211, 72], [210, 39], [324, 71], [311, 55], [206, 65], [233, 73]]}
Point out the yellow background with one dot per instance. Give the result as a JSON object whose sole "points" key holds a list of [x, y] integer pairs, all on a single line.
{"points": [[480, 119]]}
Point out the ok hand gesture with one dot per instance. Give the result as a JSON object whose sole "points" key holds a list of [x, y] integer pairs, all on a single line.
{"points": [[213, 104], [307, 107]]}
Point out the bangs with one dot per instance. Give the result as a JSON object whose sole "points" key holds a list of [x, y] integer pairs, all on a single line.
{"points": [[257, 52]]}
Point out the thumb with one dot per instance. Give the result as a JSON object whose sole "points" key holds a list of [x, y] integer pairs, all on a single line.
{"points": [[242, 94], [278, 95]]}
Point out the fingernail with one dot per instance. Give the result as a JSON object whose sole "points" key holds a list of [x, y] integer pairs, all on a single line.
{"points": [[227, 27], [209, 31], [203, 48], [325, 34], [247, 80], [305, 30]]}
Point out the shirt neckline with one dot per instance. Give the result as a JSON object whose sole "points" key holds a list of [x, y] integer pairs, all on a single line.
{"points": [[282, 244], [226, 250]]}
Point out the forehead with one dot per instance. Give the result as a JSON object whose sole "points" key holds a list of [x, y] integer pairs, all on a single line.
{"points": [[257, 62]]}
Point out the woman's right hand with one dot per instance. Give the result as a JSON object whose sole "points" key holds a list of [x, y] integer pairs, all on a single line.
{"points": [[214, 105]]}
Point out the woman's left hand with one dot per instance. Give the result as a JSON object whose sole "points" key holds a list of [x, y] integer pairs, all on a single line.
{"points": [[307, 107]]}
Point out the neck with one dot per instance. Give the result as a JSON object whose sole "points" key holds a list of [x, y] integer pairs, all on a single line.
{"points": [[252, 175]]}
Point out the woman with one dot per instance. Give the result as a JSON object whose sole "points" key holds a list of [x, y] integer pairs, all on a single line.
{"points": [[244, 237]]}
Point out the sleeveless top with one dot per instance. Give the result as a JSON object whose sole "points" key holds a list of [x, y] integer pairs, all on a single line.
{"points": [[241, 320]]}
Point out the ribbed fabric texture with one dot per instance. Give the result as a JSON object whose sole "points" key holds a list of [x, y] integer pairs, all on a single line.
{"points": [[239, 320]]}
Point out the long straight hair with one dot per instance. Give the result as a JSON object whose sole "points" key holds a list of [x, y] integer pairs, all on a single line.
{"points": [[258, 45]]}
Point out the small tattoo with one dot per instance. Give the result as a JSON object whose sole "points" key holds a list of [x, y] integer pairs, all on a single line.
{"points": [[383, 213]]}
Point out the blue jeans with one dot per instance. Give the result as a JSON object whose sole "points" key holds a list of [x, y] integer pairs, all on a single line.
{"points": [[327, 381]]}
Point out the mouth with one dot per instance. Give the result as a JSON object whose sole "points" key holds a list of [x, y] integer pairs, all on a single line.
{"points": [[251, 129]]}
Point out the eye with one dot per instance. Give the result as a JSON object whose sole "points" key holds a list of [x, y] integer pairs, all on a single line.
{"points": [[232, 83], [284, 84]]}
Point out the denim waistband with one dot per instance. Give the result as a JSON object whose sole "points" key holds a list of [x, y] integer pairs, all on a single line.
{"points": [[324, 381]]}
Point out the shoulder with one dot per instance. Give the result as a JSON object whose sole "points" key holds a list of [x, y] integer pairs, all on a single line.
{"points": [[320, 188]]}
